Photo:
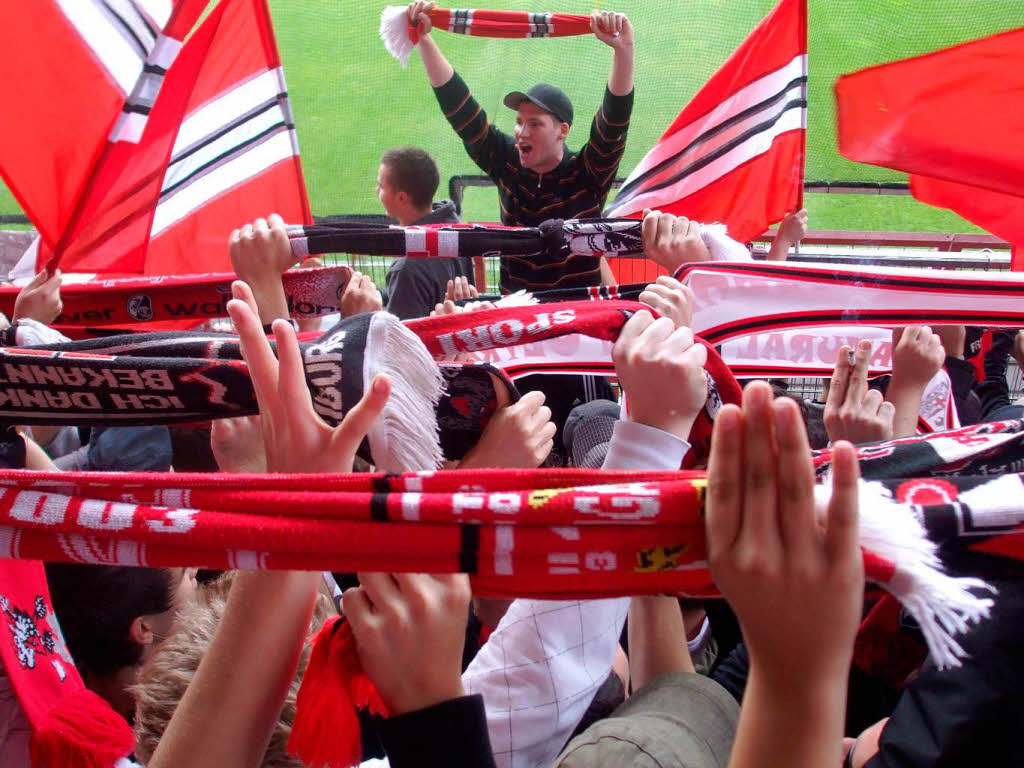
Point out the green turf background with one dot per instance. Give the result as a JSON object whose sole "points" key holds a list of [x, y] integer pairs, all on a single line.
{"points": [[352, 100]]}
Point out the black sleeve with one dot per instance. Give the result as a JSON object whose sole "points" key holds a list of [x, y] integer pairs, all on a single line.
{"points": [[952, 717], [488, 147], [452, 733], [732, 673], [607, 142]]}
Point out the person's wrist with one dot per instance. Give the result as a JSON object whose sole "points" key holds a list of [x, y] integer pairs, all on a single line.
{"points": [[678, 425], [422, 697]]}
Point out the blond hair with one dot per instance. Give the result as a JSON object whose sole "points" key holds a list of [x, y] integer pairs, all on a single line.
{"points": [[165, 676]]}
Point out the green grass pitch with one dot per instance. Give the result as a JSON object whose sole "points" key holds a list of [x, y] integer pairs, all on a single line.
{"points": [[352, 100]]}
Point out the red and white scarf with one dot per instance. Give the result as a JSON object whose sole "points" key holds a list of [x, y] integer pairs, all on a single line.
{"points": [[72, 727], [399, 36], [544, 533]]}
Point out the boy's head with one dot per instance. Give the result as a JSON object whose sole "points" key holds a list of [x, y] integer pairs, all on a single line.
{"points": [[406, 183]]}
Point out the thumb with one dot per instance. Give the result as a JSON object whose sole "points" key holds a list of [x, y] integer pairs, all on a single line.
{"points": [[360, 419], [38, 280]]}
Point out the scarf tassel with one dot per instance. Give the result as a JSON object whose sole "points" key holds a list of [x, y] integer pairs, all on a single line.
{"points": [[398, 34], [900, 557], [82, 731], [326, 730]]}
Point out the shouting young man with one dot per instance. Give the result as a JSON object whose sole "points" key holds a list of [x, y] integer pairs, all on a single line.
{"points": [[537, 176]]}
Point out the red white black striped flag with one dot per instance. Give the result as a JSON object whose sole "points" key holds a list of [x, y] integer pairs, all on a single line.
{"points": [[735, 154], [77, 73]]}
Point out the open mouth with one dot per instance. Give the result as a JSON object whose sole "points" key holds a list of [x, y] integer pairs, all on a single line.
{"points": [[525, 150]]}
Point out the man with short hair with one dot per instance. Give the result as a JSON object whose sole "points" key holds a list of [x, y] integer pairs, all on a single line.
{"points": [[537, 177], [406, 182]]}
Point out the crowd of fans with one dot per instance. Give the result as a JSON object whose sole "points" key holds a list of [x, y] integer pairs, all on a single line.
{"points": [[206, 665]]}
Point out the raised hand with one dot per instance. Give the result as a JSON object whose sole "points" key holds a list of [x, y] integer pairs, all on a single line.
{"points": [[520, 435], [295, 438], [795, 582], [852, 411], [671, 241], [612, 29], [460, 288], [670, 298], [260, 253], [410, 629], [360, 295], [40, 299], [237, 444], [661, 369], [417, 13]]}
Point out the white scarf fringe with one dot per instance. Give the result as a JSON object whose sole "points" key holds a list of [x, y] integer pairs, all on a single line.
{"points": [[942, 605], [394, 31]]}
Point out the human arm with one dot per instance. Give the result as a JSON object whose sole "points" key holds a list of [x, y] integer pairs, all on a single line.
{"points": [[603, 151], [917, 355], [260, 253], [657, 639], [853, 411], [488, 147], [439, 71], [791, 231], [796, 584], [229, 710], [615, 30]]}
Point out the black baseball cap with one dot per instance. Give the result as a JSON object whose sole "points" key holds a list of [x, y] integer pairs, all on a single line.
{"points": [[547, 97]]}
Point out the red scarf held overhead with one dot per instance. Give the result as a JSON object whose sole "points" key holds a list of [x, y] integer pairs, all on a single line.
{"points": [[72, 727], [399, 36]]}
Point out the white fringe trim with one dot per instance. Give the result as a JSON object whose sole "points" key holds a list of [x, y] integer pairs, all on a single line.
{"points": [[394, 31], [405, 436], [942, 605], [721, 246]]}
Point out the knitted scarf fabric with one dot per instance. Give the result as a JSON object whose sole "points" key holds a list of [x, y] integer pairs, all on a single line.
{"points": [[399, 36], [72, 727], [128, 302], [542, 533], [172, 378]]}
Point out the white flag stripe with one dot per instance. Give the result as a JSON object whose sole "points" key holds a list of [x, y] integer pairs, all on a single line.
{"points": [[134, 21], [224, 108], [745, 98], [208, 153], [118, 57], [792, 119], [129, 127], [158, 11], [165, 51], [724, 137], [243, 167]]}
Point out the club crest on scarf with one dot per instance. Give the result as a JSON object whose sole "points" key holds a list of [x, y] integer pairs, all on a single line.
{"points": [[30, 635], [140, 307]]}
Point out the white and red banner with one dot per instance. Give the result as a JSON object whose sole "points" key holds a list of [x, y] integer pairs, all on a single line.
{"points": [[735, 154], [733, 299]]}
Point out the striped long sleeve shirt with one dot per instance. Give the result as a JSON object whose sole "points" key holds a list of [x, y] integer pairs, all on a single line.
{"points": [[577, 188]]}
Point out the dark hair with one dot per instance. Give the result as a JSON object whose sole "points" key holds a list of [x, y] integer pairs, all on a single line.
{"points": [[96, 605], [414, 172]]}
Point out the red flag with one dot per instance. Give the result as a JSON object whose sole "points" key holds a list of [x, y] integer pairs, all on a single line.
{"points": [[999, 213], [78, 71], [735, 154], [952, 115], [219, 149]]}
